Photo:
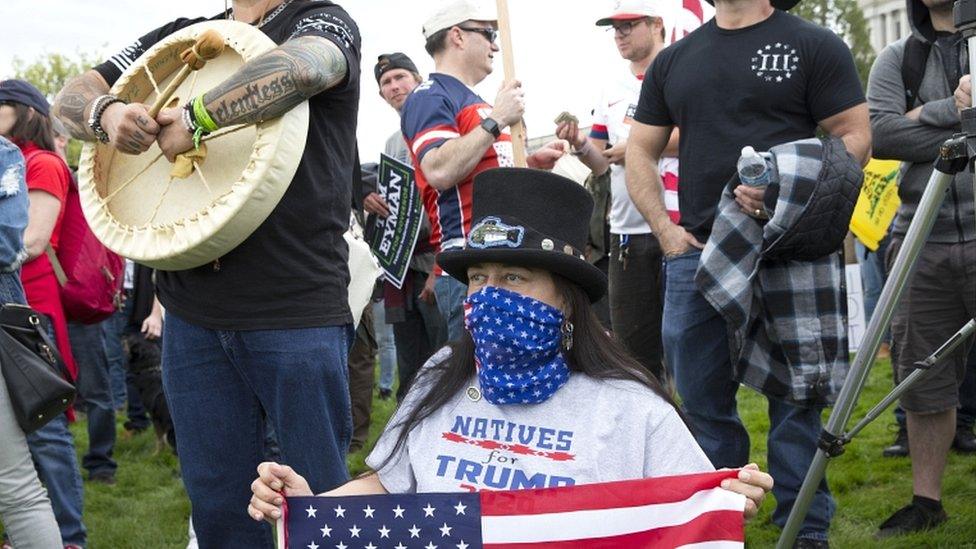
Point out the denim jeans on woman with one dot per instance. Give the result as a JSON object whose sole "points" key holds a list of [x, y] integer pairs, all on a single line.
{"points": [[25, 509], [696, 347], [222, 384]]}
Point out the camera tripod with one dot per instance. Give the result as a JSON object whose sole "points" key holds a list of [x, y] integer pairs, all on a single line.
{"points": [[955, 155]]}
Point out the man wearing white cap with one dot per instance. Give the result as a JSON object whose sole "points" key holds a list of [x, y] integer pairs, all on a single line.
{"points": [[635, 254], [453, 134]]}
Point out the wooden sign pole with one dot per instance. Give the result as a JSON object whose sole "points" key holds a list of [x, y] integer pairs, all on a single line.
{"points": [[505, 33]]}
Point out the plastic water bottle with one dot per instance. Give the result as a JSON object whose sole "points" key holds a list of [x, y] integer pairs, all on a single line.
{"points": [[752, 167]]}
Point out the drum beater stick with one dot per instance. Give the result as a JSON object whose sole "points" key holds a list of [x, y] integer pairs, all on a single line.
{"points": [[209, 45]]}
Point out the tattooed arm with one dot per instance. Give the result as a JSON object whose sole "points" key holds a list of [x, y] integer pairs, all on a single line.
{"points": [[264, 88], [73, 103], [272, 84], [129, 127]]}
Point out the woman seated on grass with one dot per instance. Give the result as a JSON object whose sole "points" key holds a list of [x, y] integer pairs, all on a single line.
{"points": [[536, 394]]}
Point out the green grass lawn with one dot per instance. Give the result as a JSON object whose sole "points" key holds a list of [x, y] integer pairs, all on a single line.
{"points": [[148, 507]]}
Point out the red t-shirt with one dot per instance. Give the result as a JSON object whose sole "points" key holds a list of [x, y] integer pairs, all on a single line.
{"points": [[48, 173]]}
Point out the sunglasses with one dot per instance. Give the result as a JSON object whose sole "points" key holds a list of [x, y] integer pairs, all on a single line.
{"points": [[490, 34], [626, 27]]}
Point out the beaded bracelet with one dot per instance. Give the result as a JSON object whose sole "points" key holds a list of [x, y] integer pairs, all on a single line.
{"points": [[99, 106]]}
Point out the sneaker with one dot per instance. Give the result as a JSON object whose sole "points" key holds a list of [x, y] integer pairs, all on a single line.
{"points": [[900, 447], [910, 518], [808, 543], [385, 394], [102, 477], [965, 440]]}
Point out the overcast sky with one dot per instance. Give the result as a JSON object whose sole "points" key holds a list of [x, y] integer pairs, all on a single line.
{"points": [[560, 55]]}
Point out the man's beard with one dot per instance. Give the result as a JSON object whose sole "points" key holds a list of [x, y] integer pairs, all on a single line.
{"points": [[638, 54]]}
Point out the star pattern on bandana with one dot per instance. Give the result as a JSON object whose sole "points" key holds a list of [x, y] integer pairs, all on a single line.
{"points": [[517, 346]]}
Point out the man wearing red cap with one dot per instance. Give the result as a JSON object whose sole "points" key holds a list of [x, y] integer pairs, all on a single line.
{"points": [[639, 31], [761, 77]]}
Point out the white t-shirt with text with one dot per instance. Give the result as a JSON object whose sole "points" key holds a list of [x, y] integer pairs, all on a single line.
{"points": [[589, 431]]}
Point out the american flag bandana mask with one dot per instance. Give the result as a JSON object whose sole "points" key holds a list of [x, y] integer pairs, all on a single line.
{"points": [[517, 343]]}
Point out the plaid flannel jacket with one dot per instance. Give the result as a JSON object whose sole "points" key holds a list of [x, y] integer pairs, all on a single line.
{"points": [[786, 311]]}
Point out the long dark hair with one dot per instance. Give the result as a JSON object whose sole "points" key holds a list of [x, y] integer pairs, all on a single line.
{"points": [[594, 353], [31, 126]]}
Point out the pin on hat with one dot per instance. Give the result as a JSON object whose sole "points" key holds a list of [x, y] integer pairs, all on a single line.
{"points": [[546, 228]]}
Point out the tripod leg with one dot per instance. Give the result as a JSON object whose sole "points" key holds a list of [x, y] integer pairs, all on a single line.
{"points": [[923, 368]]}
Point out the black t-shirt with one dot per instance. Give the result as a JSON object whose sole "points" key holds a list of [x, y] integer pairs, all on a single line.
{"points": [[762, 85], [292, 271]]}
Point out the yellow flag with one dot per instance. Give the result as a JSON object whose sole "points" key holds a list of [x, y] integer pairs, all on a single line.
{"points": [[878, 202]]}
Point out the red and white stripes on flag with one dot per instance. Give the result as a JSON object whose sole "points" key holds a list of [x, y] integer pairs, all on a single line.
{"points": [[680, 511]]}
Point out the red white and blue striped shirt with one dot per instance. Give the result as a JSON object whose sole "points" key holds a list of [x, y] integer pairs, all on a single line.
{"points": [[438, 110]]}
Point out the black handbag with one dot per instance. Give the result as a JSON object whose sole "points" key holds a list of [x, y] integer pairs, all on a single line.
{"points": [[36, 378]]}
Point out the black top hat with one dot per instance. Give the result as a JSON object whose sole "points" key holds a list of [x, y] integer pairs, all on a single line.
{"points": [[784, 5], [530, 218]]}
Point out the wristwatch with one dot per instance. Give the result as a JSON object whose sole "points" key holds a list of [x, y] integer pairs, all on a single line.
{"points": [[490, 126]]}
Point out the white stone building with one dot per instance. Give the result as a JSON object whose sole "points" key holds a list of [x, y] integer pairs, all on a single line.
{"points": [[887, 21]]}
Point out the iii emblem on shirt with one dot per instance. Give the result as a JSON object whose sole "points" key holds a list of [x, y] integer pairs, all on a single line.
{"points": [[775, 62]]}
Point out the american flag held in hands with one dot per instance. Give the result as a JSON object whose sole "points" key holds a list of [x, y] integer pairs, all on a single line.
{"points": [[679, 511]]}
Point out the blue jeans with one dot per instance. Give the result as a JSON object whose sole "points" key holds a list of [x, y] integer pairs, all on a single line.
{"points": [[53, 450], [385, 345], [11, 290], [418, 335], [450, 302], [697, 349], [222, 386], [95, 387], [873, 275], [115, 328]]}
